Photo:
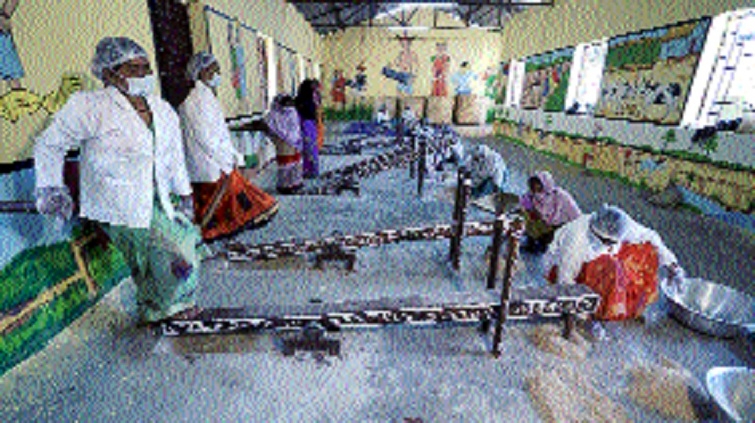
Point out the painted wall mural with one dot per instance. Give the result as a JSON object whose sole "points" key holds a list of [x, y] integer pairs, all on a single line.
{"points": [[238, 61], [649, 73], [546, 80], [280, 69], [293, 73], [20, 101], [495, 80], [11, 69], [441, 65], [262, 71], [404, 67]]}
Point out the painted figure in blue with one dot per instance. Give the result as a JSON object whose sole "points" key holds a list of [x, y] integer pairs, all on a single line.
{"points": [[10, 64]]}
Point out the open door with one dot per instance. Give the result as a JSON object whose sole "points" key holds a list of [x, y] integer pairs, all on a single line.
{"points": [[172, 36]]}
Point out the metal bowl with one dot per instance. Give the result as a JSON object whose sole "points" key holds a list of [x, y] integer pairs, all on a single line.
{"points": [[733, 390], [709, 307]]}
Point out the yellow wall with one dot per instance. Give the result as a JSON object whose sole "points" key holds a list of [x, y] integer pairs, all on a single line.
{"points": [[378, 47], [570, 22], [276, 19], [54, 38]]}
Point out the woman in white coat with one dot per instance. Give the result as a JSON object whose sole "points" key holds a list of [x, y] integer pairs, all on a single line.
{"points": [[225, 202], [488, 172], [131, 165], [615, 256]]}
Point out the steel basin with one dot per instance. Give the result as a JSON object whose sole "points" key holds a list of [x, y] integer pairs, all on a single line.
{"points": [[709, 307], [733, 390]]}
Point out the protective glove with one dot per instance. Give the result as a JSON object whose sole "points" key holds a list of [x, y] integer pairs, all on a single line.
{"points": [[181, 269], [186, 206], [675, 273], [55, 202]]}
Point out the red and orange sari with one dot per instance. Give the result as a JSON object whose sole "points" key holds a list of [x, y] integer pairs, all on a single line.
{"points": [[240, 205], [626, 282]]}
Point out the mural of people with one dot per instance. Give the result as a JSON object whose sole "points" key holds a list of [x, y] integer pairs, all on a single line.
{"points": [[463, 79], [338, 88], [359, 83], [263, 72], [404, 65], [491, 78], [501, 82], [10, 64], [441, 63]]}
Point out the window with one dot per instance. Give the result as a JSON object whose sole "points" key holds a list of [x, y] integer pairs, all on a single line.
{"points": [[516, 84], [724, 87]]}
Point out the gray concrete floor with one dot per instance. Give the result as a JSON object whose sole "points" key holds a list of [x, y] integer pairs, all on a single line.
{"points": [[104, 368]]}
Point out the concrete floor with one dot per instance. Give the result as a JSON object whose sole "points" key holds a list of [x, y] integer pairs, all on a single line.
{"points": [[104, 368]]}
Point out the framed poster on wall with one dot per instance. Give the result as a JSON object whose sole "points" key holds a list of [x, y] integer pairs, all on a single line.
{"points": [[648, 74], [546, 80]]}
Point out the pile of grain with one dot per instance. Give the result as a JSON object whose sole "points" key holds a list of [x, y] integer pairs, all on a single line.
{"points": [[668, 389], [564, 394], [549, 338]]}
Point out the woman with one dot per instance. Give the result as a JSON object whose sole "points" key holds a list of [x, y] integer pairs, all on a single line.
{"points": [[613, 255], [225, 202], [488, 172], [284, 128], [307, 104], [132, 162], [546, 207]]}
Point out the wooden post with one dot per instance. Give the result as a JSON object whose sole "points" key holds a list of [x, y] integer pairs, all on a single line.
{"points": [[495, 250], [568, 324], [503, 308], [422, 165], [413, 161], [466, 188], [455, 217], [399, 133]]}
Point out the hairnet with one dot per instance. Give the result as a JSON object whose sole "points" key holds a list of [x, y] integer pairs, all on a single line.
{"points": [[113, 51], [609, 222], [198, 63]]}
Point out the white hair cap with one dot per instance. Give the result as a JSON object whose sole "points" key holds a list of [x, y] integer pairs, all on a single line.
{"points": [[609, 222], [113, 51], [198, 63]]}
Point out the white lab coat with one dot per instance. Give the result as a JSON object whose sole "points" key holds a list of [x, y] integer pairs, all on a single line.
{"points": [[209, 148], [573, 246], [121, 161], [489, 165]]}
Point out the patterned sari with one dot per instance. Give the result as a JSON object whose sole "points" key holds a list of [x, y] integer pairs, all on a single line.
{"points": [[242, 206], [626, 282]]}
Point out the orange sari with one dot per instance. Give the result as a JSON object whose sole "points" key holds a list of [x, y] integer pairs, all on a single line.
{"points": [[626, 282], [243, 206]]}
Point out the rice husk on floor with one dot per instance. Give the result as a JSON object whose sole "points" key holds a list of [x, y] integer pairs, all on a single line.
{"points": [[564, 394], [669, 390], [549, 338]]}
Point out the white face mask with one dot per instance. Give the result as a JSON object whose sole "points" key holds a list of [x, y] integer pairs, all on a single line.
{"points": [[141, 87], [215, 81]]}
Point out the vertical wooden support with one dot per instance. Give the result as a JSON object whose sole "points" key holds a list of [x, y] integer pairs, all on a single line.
{"points": [[568, 324], [399, 132], [455, 217], [503, 309], [458, 229], [422, 165], [413, 161], [495, 250]]}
